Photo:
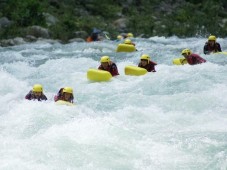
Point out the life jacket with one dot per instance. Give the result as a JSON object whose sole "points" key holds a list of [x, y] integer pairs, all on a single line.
{"points": [[89, 39], [31, 96], [93, 37], [208, 48], [195, 59], [150, 67], [112, 68]]}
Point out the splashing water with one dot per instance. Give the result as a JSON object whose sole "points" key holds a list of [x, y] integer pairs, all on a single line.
{"points": [[174, 119]]}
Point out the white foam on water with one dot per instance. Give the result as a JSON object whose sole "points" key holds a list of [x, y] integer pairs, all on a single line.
{"points": [[172, 119]]}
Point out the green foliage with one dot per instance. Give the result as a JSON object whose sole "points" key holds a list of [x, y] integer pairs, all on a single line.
{"points": [[24, 12], [141, 24], [190, 19], [102, 8], [149, 17], [211, 8], [63, 30], [11, 32]]}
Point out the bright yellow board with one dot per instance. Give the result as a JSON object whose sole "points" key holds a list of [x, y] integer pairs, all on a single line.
{"points": [[98, 75], [135, 71], [125, 48], [62, 102], [180, 61], [223, 52]]}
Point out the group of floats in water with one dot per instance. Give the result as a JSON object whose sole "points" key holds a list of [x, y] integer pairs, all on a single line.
{"points": [[105, 72], [210, 47], [108, 69]]}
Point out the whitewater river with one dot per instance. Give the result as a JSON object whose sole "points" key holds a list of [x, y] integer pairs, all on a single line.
{"points": [[174, 119]]}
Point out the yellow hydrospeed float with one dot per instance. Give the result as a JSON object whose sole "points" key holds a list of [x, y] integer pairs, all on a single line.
{"points": [[135, 71], [127, 46], [98, 75]]}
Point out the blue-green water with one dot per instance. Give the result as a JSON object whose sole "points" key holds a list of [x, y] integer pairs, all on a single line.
{"points": [[174, 119]]}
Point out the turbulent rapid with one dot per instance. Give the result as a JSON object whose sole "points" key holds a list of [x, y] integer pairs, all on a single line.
{"points": [[173, 119]]}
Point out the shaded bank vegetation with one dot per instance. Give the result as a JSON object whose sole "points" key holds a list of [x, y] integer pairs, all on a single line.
{"points": [[64, 18]]}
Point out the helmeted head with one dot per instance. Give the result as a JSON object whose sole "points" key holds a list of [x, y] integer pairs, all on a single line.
{"points": [[119, 37], [105, 59], [145, 57], [212, 38], [130, 35], [186, 51], [68, 94], [127, 41], [37, 88], [68, 90]]}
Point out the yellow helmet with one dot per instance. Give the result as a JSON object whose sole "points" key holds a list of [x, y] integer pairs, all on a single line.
{"points": [[119, 37], [68, 90], [127, 41], [37, 88], [186, 51], [145, 57], [212, 38], [129, 35], [105, 59]]}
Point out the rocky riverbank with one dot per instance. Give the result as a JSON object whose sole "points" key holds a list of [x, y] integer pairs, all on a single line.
{"points": [[29, 20]]}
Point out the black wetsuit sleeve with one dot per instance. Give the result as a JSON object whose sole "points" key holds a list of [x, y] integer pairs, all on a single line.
{"points": [[205, 49], [44, 97], [218, 47], [114, 70], [28, 96]]}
